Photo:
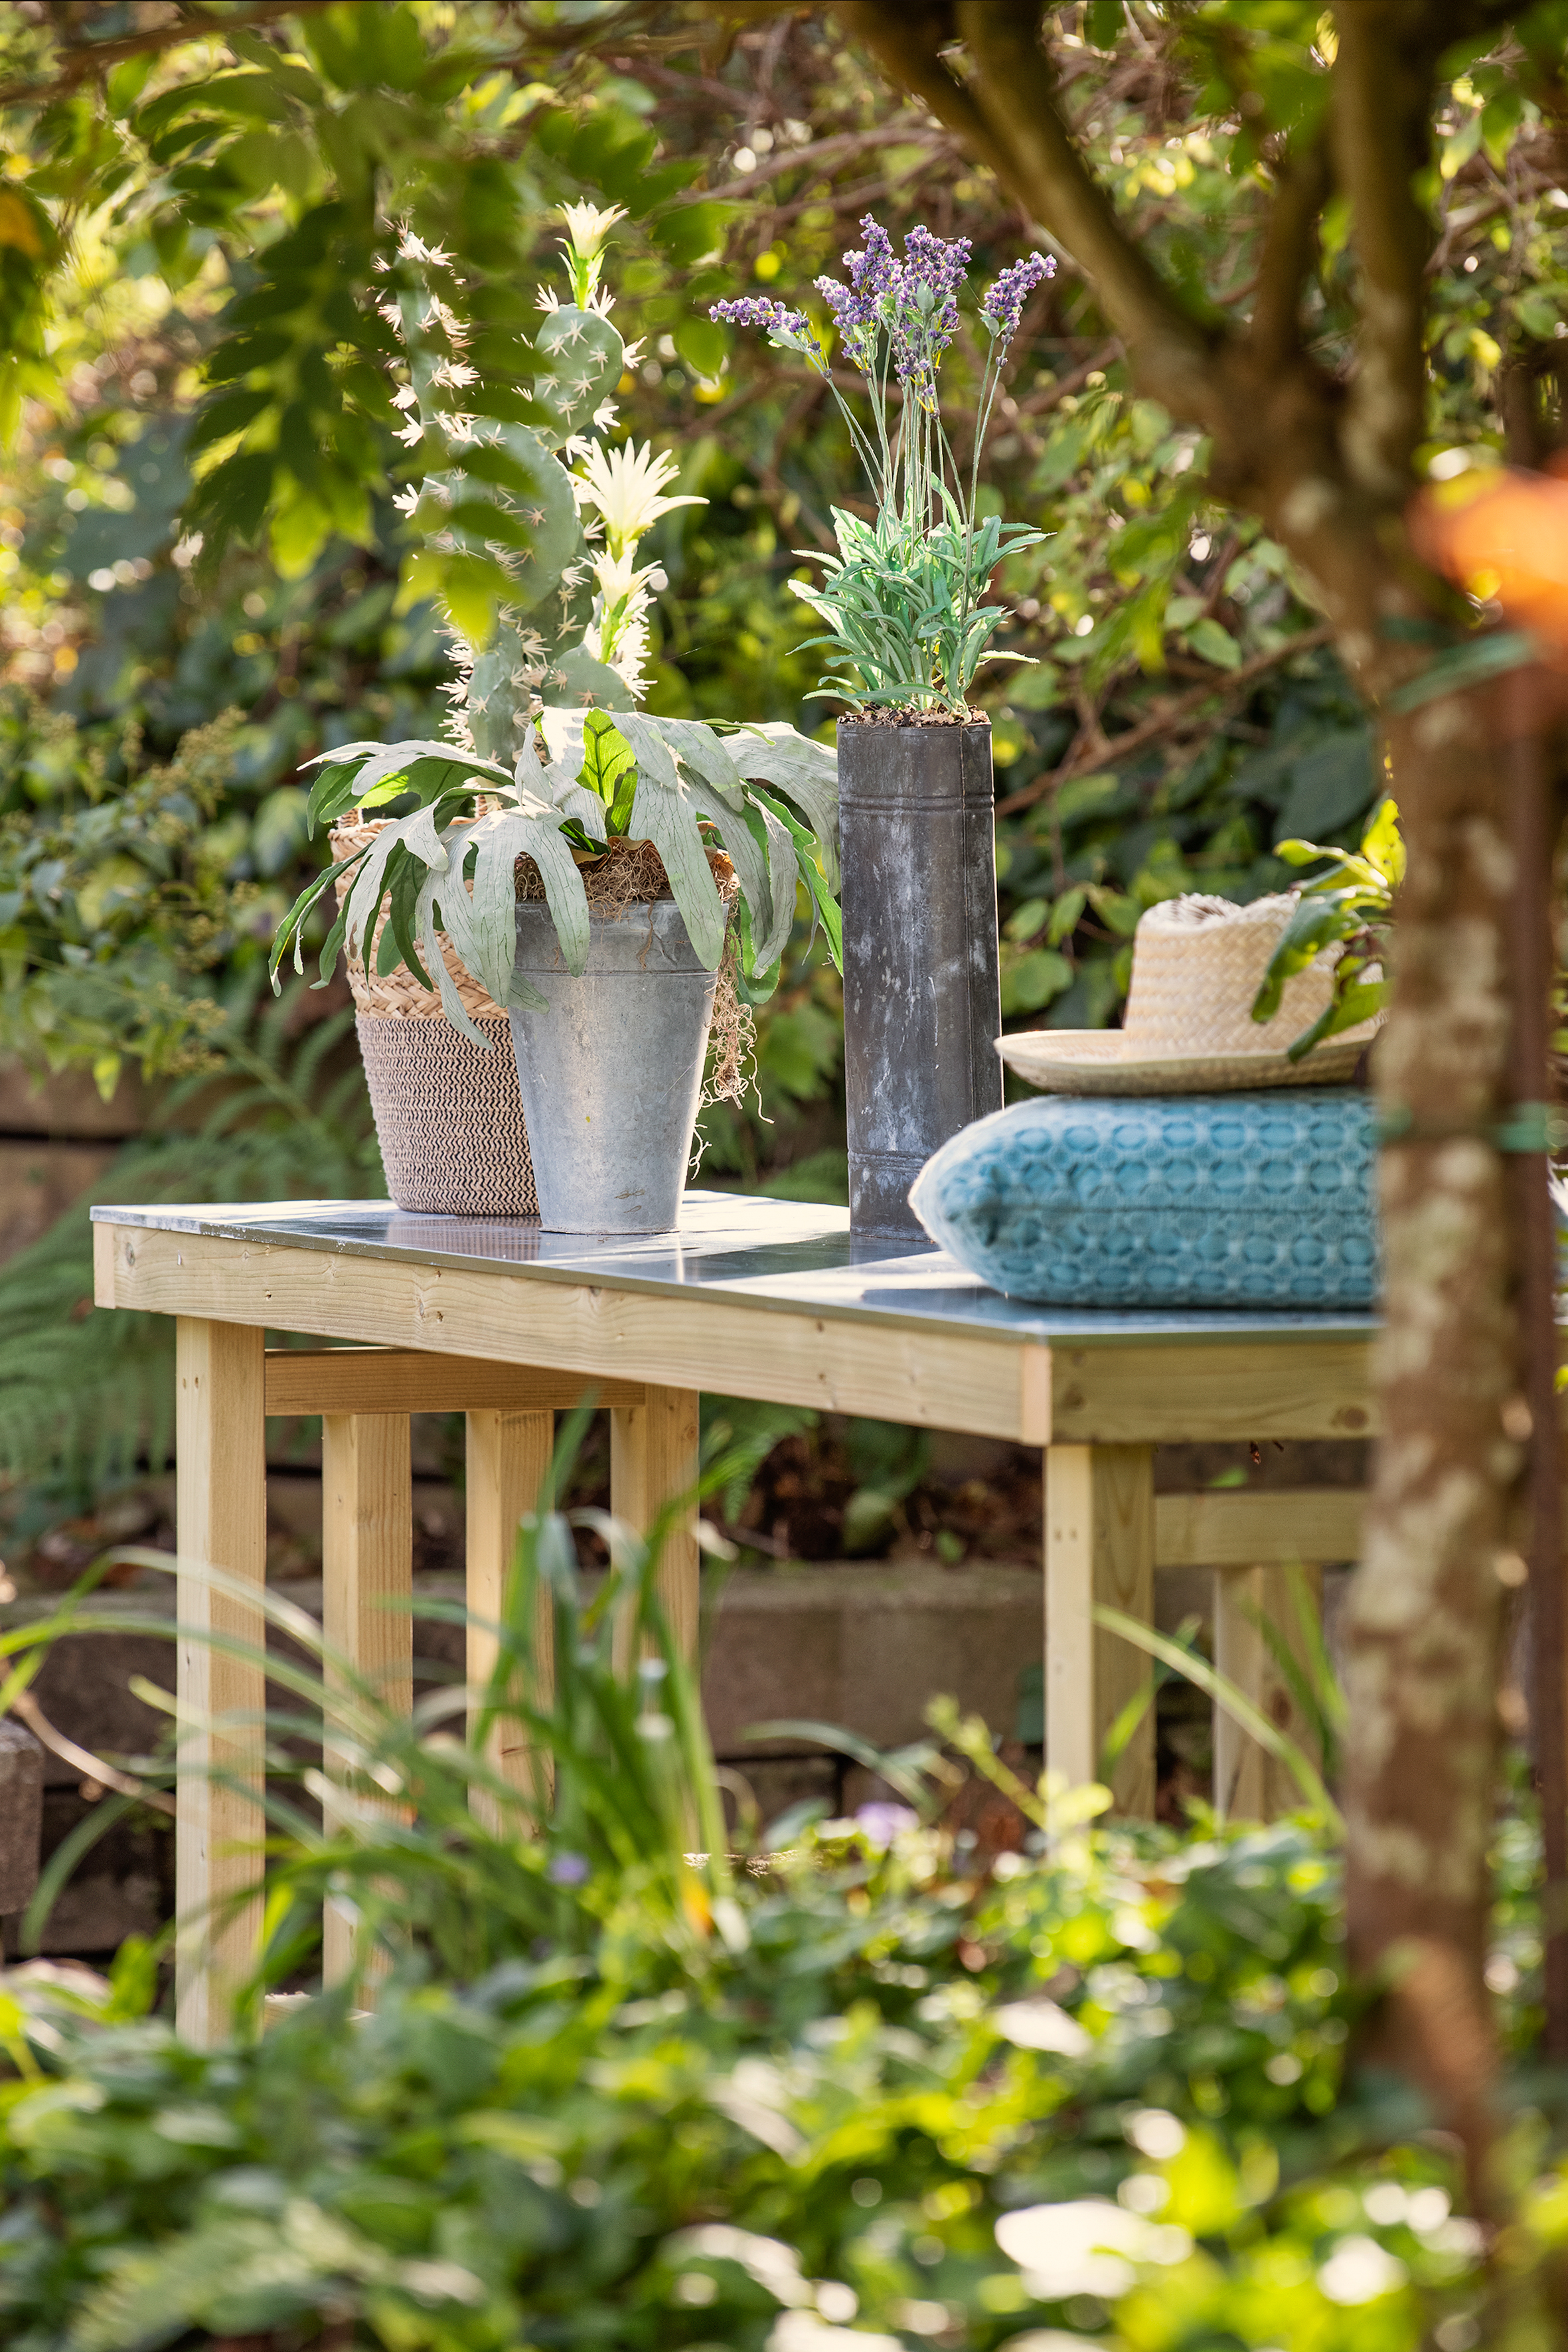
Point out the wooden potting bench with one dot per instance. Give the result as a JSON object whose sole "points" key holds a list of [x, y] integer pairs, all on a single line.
{"points": [[763, 1299]]}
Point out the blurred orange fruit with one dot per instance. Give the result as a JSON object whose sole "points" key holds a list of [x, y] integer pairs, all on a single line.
{"points": [[1501, 534]]}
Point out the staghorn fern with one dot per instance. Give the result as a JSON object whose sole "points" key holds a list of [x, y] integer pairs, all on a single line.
{"points": [[544, 661], [767, 795], [88, 1398]]}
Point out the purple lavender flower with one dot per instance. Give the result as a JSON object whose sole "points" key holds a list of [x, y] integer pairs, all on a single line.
{"points": [[568, 1870], [929, 262], [874, 269], [755, 310], [933, 274], [1004, 305], [858, 308], [880, 1822], [854, 319]]}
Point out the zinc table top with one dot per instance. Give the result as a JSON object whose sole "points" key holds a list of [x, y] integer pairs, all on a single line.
{"points": [[781, 1255]]}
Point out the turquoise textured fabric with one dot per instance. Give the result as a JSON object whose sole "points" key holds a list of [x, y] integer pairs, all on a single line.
{"points": [[1237, 1200]]}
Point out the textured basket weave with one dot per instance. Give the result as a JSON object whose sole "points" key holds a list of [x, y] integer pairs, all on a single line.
{"points": [[448, 1117]]}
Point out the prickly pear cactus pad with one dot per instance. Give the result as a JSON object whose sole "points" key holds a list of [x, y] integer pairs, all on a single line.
{"points": [[586, 358], [576, 679], [513, 500]]}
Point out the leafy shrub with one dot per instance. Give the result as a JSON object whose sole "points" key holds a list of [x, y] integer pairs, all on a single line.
{"points": [[890, 2080], [115, 902]]}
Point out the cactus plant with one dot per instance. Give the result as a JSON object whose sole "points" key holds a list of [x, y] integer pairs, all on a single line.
{"points": [[548, 757]]}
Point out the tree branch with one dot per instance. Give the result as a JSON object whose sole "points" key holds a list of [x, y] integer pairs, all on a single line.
{"points": [[1300, 187], [1007, 113], [1164, 722], [823, 154], [76, 59], [1380, 118]]}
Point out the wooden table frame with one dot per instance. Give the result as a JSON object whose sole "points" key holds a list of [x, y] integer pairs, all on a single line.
{"points": [[510, 1353]]}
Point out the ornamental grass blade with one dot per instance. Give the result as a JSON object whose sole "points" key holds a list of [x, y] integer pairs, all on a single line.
{"points": [[1236, 1705]]}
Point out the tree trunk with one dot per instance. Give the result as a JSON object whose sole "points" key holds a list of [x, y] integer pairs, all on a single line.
{"points": [[1427, 1605], [1327, 466]]}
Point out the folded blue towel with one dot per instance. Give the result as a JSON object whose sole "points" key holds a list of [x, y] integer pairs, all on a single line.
{"points": [[1237, 1200]]}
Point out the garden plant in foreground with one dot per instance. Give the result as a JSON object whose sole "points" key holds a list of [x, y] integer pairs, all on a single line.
{"points": [[966, 2067]]}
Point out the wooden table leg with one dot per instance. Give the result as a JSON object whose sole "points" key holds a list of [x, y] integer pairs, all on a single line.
{"points": [[508, 1456], [221, 1452], [367, 1571], [654, 1455], [1099, 1552], [1247, 1783]]}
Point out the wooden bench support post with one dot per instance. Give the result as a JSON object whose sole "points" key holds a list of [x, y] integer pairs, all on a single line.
{"points": [[653, 1457], [1250, 1784], [508, 1456], [1099, 1552], [220, 1434], [367, 1574]]}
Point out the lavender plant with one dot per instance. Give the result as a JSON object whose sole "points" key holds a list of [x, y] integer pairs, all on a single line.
{"points": [[901, 599]]}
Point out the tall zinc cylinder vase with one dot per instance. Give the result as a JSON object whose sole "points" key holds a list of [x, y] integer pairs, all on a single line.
{"points": [[921, 981], [611, 1072], [448, 1116]]}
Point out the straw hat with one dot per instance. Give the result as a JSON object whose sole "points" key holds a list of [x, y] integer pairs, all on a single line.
{"points": [[1198, 963]]}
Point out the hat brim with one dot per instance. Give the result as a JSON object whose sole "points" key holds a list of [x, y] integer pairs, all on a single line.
{"points": [[1107, 1062]]}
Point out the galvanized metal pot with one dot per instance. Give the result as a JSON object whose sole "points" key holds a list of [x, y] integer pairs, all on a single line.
{"points": [[922, 983], [612, 1073]]}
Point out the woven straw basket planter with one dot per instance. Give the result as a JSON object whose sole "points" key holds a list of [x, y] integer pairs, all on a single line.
{"points": [[448, 1117]]}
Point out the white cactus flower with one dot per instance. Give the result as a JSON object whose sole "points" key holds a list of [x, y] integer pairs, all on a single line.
{"points": [[587, 226], [627, 485]]}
